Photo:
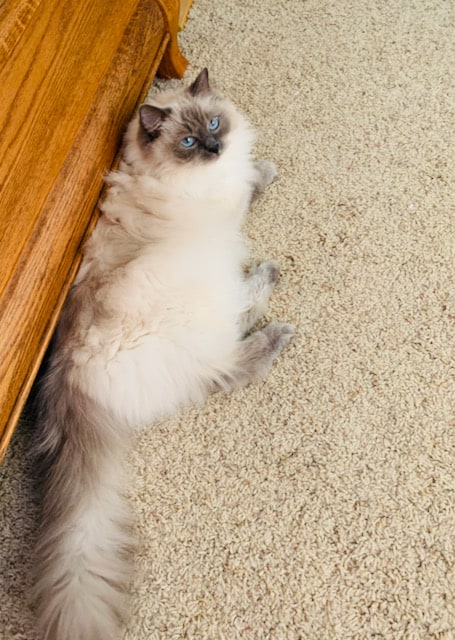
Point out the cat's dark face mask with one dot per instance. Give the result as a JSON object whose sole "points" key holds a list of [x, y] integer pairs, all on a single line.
{"points": [[193, 130]]}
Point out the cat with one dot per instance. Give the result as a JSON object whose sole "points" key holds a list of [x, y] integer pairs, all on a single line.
{"points": [[160, 315]]}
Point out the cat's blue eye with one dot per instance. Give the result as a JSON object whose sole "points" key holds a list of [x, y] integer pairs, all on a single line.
{"points": [[188, 142], [214, 124]]}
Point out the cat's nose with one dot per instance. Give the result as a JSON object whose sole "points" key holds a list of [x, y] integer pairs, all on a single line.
{"points": [[212, 145]]}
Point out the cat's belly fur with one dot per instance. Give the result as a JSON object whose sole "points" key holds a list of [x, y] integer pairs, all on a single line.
{"points": [[158, 345]]}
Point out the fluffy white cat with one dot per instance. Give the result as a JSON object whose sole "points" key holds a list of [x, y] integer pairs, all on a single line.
{"points": [[158, 318]]}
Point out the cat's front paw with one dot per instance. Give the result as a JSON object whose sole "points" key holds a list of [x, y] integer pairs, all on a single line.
{"points": [[268, 271], [267, 171]]}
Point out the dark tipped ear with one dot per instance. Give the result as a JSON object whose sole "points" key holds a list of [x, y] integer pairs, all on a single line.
{"points": [[151, 119], [201, 84]]}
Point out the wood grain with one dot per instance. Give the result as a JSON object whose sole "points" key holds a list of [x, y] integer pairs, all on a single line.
{"points": [[14, 18], [71, 83]]}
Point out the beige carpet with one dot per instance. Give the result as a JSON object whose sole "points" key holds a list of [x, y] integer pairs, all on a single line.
{"points": [[319, 505]]}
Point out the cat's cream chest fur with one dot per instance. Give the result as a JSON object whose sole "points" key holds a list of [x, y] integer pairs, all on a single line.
{"points": [[175, 305]]}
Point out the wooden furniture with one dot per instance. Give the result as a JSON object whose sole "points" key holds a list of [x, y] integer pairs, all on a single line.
{"points": [[71, 74]]}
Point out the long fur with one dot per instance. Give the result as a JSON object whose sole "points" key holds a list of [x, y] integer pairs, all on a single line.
{"points": [[156, 320]]}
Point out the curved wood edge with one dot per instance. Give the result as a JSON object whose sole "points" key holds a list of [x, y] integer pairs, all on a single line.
{"points": [[174, 63]]}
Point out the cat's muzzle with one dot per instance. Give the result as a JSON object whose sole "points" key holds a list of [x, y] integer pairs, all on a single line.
{"points": [[212, 145]]}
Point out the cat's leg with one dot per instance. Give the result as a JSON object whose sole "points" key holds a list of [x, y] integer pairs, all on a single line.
{"points": [[256, 353], [266, 173], [259, 284]]}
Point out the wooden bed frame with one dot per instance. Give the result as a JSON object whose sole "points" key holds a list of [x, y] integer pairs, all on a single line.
{"points": [[71, 74]]}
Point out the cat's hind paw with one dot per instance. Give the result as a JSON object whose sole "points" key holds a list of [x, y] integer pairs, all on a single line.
{"points": [[279, 335]]}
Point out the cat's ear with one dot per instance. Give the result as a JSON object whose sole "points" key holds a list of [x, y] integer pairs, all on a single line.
{"points": [[151, 119], [201, 84]]}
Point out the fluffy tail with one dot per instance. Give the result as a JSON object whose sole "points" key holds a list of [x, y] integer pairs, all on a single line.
{"points": [[82, 564]]}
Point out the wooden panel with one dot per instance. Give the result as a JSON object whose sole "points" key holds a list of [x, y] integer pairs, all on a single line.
{"points": [[14, 19], [47, 88], [61, 116]]}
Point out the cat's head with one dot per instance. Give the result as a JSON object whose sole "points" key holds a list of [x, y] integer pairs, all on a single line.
{"points": [[192, 126]]}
